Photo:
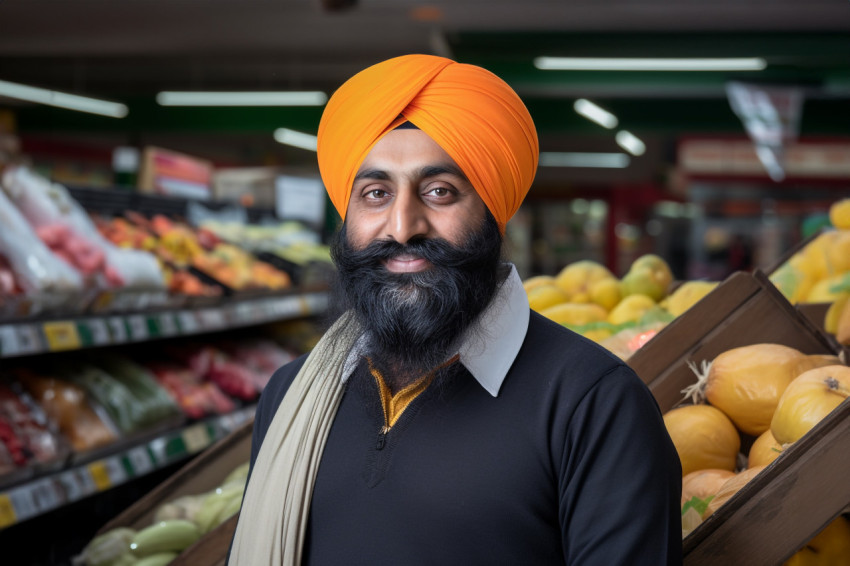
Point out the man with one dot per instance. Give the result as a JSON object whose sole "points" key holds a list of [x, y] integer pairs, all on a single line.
{"points": [[439, 420]]}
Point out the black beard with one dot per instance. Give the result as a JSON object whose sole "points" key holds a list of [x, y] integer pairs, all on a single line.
{"points": [[413, 320]]}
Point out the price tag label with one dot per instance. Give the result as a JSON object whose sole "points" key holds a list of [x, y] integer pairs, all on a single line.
{"points": [[61, 336], [45, 495], [9, 341], [140, 460], [242, 313], [159, 449], [99, 331], [138, 327], [213, 318], [74, 488], [100, 475], [117, 329], [29, 339], [167, 324], [23, 503], [196, 438], [7, 511], [188, 322], [115, 470]]}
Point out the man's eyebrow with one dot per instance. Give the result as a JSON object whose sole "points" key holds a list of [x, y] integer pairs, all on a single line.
{"points": [[443, 168], [377, 174]]}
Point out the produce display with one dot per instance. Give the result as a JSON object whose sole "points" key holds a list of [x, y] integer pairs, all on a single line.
{"points": [[177, 525], [621, 314], [765, 396], [26, 437], [89, 400], [820, 271]]}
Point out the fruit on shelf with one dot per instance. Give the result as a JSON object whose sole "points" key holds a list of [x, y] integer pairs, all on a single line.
{"points": [[574, 314], [648, 275], [747, 382], [577, 278], [826, 257], [830, 547], [687, 295], [108, 548], [730, 487], [173, 535], [764, 450], [839, 214], [807, 400], [704, 483], [631, 309], [704, 438]]}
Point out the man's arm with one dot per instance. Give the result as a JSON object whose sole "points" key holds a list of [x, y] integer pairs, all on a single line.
{"points": [[620, 480]]}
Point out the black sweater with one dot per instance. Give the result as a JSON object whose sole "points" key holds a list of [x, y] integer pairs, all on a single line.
{"points": [[570, 464]]}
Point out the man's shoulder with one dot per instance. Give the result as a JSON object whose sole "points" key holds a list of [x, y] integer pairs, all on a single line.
{"points": [[555, 342], [279, 384]]}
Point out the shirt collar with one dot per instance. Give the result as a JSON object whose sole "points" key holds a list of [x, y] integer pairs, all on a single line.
{"points": [[490, 345]]}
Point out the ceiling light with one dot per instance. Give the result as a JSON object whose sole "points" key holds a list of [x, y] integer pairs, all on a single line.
{"points": [[600, 160], [630, 142], [649, 64], [286, 98], [595, 114], [62, 100], [296, 139]]}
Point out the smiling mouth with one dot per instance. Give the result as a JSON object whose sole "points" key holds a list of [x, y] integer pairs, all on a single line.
{"points": [[406, 263]]}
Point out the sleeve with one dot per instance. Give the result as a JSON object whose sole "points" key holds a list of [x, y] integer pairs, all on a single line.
{"points": [[620, 479]]}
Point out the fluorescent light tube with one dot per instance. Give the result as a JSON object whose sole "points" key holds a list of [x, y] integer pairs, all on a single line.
{"points": [[283, 98], [595, 114], [630, 142], [63, 100], [600, 160], [295, 138], [649, 64]]}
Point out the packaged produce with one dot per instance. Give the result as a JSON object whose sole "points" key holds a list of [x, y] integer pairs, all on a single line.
{"points": [[66, 404], [196, 399], [213, 365], [124, 408], [155, 404], [262, 356], [65, 227], [25, 430], [37, 269]]}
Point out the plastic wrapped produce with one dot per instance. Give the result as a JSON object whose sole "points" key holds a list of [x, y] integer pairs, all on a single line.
{"points": [[24, 429], [64, 226], [68, 406], [155, 402], [37, 269]]}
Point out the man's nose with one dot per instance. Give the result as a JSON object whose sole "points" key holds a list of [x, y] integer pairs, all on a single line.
{"points": [[408, 217]]}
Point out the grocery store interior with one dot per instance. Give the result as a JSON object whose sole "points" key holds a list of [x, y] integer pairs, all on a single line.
{"points": [[164, 229]]}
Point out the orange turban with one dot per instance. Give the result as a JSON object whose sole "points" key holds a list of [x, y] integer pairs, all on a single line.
{"points": [[470, 112]]}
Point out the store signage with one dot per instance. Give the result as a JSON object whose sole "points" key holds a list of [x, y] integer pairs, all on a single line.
{"points": [[738, 158]]}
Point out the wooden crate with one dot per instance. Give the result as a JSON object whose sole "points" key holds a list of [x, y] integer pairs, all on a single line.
{"points": [[204, 473], [780, 510]]}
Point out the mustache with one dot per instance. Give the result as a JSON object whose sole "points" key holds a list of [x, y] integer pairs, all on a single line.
{"points": [[437, 251]]}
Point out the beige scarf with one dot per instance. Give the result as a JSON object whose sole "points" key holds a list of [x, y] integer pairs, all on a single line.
{"points": [[276, 505]]}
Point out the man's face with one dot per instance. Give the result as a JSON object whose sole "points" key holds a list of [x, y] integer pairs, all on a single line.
{"points": [[418, 257], [408, 187]]}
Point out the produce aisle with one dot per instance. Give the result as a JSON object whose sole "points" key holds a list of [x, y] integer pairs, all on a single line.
{"points": [[131, 340]]}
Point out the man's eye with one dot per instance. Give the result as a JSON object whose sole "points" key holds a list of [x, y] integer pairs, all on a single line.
{"points": [[376, 193], [439, 191]]}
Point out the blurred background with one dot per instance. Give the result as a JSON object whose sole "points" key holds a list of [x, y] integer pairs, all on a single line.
{"points": [[164, 230], [692, 187]]}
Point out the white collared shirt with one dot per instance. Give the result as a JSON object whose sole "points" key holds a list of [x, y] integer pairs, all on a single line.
{"points": [[491, 344]]}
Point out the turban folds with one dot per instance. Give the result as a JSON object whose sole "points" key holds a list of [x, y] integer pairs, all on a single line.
{"points": [[470, 112]]}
